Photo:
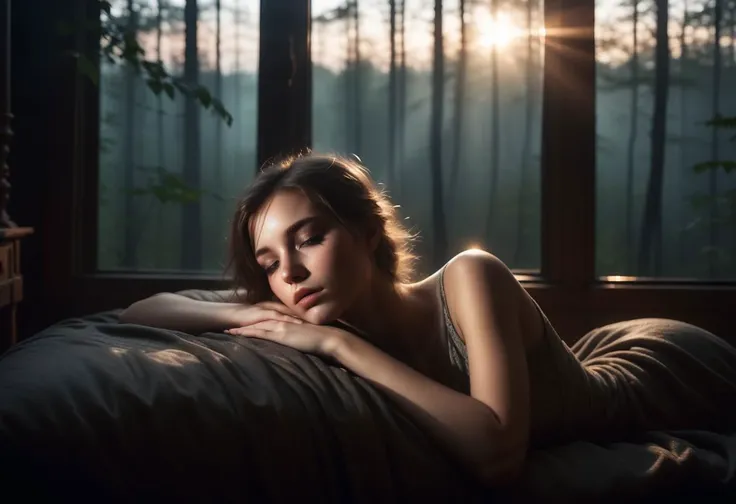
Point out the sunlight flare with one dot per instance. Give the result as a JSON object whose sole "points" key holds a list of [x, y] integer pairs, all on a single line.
{"points": [[498, 32]]}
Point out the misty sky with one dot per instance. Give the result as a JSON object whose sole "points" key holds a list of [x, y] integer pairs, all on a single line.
{"points": [[240, 44]]}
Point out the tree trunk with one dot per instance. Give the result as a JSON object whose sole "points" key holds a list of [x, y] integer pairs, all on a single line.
{"points": [[218, 92], [650, 244], [462, 64], [685, 171], [713, 238], [526, 153], [191, 230], [159, 98], [349, 77], [160, 160], [392, 88], [237, 82], [435, 141], [633, 134], [357, 95], [495, 132], [733, 34], [129, 258], [401, 105]]}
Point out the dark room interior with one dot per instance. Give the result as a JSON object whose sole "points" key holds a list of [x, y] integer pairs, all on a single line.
{"points": [[588, 145]]}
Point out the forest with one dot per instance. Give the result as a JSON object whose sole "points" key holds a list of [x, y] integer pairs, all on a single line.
{"points": [[442, 101]]}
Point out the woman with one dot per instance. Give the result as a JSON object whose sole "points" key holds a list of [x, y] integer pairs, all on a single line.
{"points": [[324, 267]]}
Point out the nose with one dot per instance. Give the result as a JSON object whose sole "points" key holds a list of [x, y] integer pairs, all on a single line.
{"points": [[293, 271]]}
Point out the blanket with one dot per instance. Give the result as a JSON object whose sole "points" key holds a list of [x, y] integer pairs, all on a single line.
{"points": [[94, 409]]}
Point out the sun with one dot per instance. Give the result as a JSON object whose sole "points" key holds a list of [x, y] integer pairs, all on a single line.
{"points": [[498, 32]]}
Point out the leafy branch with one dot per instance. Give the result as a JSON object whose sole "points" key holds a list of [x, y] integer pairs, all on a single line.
{"points": [[719, 122], [118, 44], [169, 187], [725, 203]]}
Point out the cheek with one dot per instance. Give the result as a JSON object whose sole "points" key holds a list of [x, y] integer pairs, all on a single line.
{"points": [[280, 290]]}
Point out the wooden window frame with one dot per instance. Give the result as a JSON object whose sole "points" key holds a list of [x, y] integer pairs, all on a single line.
{"points": [[566, 288]]}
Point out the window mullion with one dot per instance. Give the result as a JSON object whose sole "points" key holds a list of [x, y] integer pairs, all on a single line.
{"points": [[284, 78], [568, 144]]}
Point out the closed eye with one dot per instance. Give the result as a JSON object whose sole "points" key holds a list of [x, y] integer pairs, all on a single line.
{"points": [[311, 241], [314, 240]]}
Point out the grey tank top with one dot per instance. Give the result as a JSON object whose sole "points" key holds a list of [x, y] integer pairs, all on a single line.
{"points": [[559, 386]]}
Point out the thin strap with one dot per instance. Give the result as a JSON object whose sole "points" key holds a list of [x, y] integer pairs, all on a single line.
{"points": [[456, 346]]}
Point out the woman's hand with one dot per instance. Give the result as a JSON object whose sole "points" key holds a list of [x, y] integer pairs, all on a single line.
{"points": [[300, 335], [243, 315]]}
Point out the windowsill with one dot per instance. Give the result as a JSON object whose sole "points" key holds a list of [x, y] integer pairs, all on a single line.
{"points": [[665, 284], [527, 280], [574, 310]]}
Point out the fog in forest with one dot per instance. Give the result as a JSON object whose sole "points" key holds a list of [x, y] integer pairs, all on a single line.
{"points": [[461, 112]]}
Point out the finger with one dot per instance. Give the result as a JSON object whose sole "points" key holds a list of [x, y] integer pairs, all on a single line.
{"points": [[248, 331], [273, 325], [265, 325]]}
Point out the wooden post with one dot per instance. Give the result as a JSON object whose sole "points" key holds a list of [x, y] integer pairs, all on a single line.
{"points": [[5, 116]]}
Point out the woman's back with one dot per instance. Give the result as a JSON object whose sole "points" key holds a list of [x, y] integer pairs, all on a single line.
{"points": [[646, 374]]}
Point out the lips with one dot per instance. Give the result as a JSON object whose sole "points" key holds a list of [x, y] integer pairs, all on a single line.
{"points": [[300, 294]]}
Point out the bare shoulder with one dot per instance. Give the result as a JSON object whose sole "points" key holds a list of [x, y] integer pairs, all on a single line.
{"points": [[476, 280], [476, 269]]}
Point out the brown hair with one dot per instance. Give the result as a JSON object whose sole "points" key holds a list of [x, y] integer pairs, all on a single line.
{"points": [[340, 186]]}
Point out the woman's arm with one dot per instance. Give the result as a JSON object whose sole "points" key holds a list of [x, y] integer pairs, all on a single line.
{"points": [[174, 311], [488, 430]]}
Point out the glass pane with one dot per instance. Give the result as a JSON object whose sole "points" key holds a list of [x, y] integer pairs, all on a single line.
{"points": [[483, 140], [170, 167], [666, 185]]}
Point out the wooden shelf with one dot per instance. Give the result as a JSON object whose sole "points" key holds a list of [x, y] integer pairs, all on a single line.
{"points": [[11, 282], [13, 233]]}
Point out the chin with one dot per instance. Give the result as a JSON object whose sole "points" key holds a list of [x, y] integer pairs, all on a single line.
{"points": [[322, 314]]}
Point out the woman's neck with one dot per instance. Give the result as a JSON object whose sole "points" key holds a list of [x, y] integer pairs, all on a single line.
{"points": [[386, 314]]}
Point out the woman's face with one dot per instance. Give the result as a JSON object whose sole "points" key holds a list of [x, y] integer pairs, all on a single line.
{"points": [[314, 264]]}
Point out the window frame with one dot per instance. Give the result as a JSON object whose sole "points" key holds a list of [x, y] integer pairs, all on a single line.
{"points": [[567, 288]]}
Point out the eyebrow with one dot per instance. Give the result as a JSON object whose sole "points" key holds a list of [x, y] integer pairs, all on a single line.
{"points": [[290, 230]]}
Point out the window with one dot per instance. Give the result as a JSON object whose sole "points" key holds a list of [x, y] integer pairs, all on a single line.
{"points": [[559, 198], [463, 116], [666, 207], [169, 168]]}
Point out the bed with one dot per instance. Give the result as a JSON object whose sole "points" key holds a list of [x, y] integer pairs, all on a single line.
{"points": [[93, 409]]}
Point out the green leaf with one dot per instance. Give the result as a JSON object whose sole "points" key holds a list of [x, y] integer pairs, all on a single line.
{"points": [[699, 201], [182, 87], [172, 180], [203, 96], [220, 110], [155, 85], [105, 6], [722, 122], [118, 43], [155, 69], [131, 50], [169, 89], [728, 166]]}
